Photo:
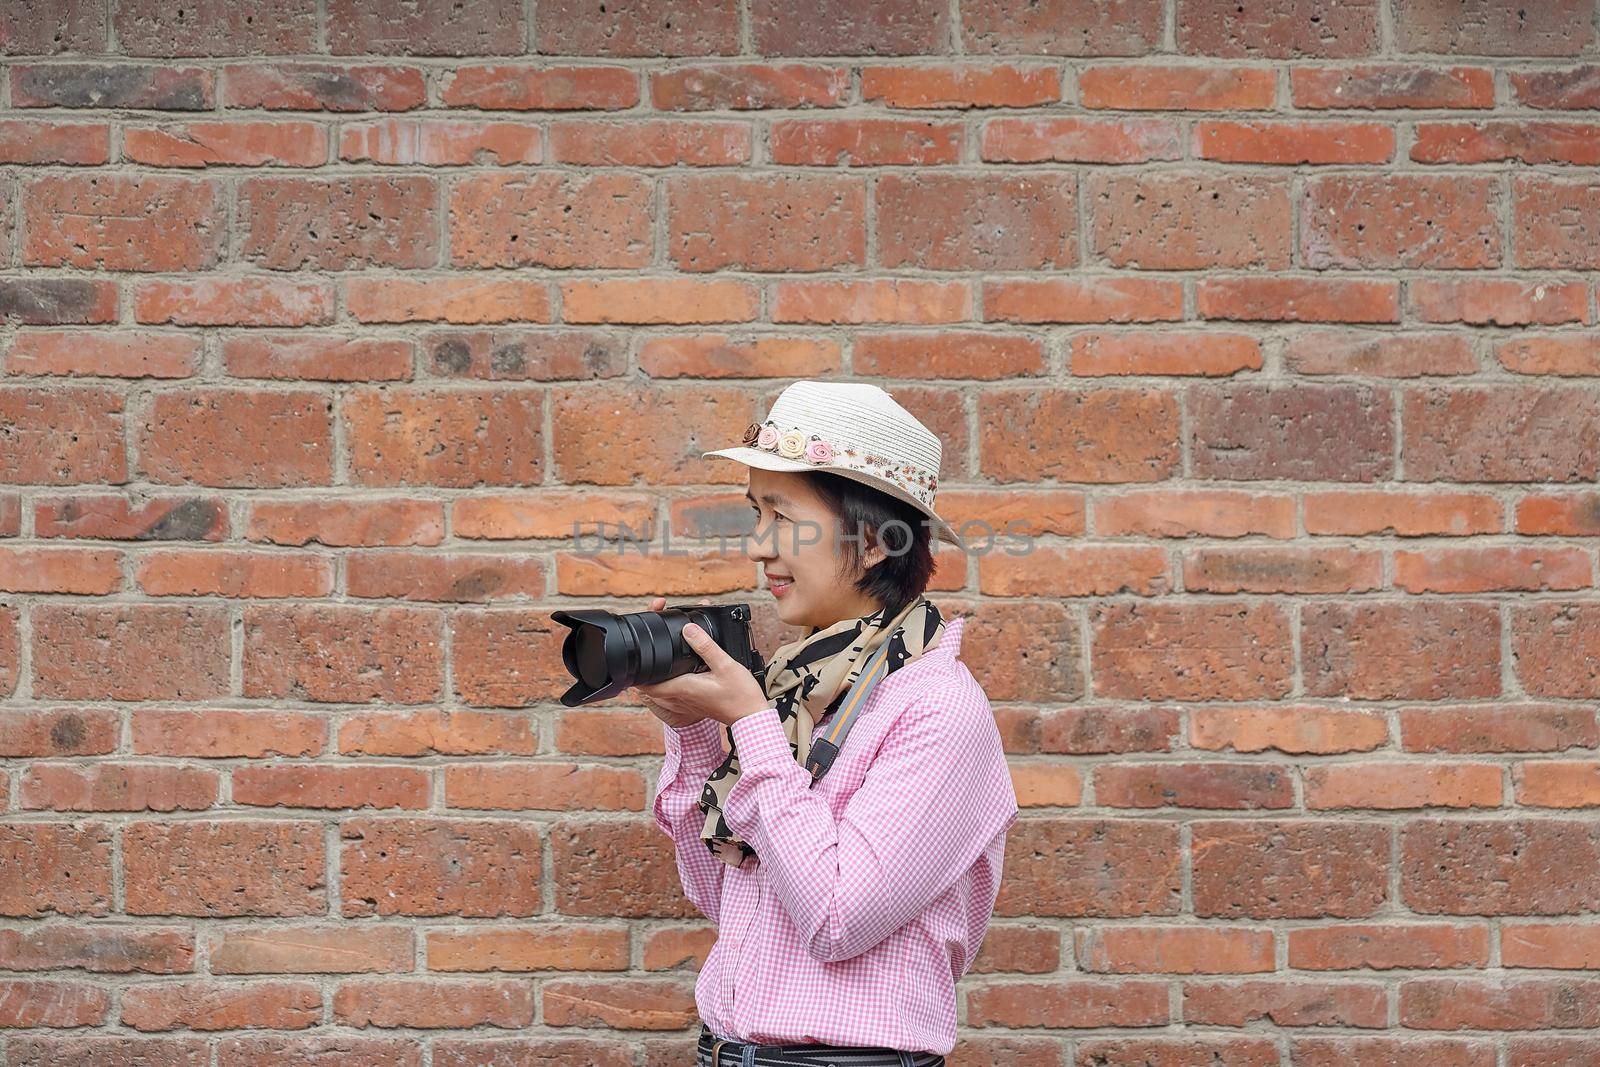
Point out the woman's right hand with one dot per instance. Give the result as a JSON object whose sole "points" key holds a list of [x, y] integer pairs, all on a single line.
{"points": [[671, 718]]}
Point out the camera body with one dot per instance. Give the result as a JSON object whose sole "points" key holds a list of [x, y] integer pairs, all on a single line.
{"points": [[606, 652]]}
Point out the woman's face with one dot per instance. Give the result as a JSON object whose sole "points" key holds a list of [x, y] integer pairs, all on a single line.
{"points": [[797, 544]]}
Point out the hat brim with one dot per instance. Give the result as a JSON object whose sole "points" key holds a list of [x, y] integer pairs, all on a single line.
{"points": [[767, 461]]}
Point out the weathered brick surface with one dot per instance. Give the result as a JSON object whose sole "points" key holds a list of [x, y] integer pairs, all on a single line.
{"points": [[324, 324]]}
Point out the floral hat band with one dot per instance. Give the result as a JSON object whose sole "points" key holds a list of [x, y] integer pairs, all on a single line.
{"points": [[794, 444]]}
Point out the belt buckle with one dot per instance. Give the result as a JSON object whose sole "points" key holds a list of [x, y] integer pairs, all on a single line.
{"points": [[716, 1050]]}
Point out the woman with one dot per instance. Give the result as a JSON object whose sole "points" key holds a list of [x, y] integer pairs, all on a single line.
{"points": [[849, 844]]}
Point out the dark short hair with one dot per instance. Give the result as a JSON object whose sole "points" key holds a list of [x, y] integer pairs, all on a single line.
{"points": [[903, 574]]}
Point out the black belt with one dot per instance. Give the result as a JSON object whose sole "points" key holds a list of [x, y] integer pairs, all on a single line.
{"points": [[722, 1052]]}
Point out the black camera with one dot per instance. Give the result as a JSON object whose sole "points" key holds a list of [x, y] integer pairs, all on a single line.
{"points": [[607, 652]]}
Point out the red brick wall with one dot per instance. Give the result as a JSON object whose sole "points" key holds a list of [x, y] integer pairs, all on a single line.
{"points": [[324, 320]]}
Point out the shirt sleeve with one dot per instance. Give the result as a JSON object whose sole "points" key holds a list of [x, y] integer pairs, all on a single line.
{"points": [[693, 752], [933, 801]]}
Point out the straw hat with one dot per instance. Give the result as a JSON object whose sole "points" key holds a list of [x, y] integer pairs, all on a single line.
{"points": [[854, 430]]}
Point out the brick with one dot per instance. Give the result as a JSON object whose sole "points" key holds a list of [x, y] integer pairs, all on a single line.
{"points": [[615, 869], [621, 1003], [1139, 87], [1563, 89], [865, 142], [1569, 946], [344, 654], [309, 786], [1116, 868], [337, 224], [1497, 301], [313, 357], [431, 578], [961, 222], [424, 867], [322, 87], [116, 355], [57, 301], [839, 28], [1113, 299], [1421, 222], [608, 733], [1278, 29], [1148, 651], [1086, 570], [1174, 1052], [749, 222], [1575, 356], [559, 220], [224, 869], [453, 299], [1016, 512], [1075, 140], [60, 570], [200, 1005], [1298, 1003], [425, 28], [116, 787], [1391, 86], [1556, 224], [1174, 950], [545, 947], [225, 734], [1558, 783], [718, 355], [149, 87], [1550, 1051], [1493, 27], [1039, 785], [1379, 355], [205, 144], [26, 1002], [1192, 785], [963, 85], [113, 517], [1063, 1003], [1382, 947], [1500, 867], [101, 948], [1094, 435], [239, 301], [260, 1051], [1186, 513], [659, 300], [68, 868], [507, 658], [443, 732], [660, 28], [451, 437], [1397, 785], [45, 142], [1311, 432], [1296, 730], [1491, 142], [1290, 143], [1430, 650], [553, 513], [596, 423], [1391, 1052], [347, 522], [1500, 728], [1281, 569], [753, 86], [440, 142], [214, 28], [1552, 649], [675, 947], [1558, 431], [544, 786], [130, 652], [1294, 869], [900, 300], [233, 574], [522, 355], [52, 27], [1298, 300], [544, 88], [344, 949], [430, 1004], [238, 438], [557, 1051], [1177, 221], [1128, 28], [1477, 570], [1514, 1003], [58, 732], [122, 222], [660, 143]]}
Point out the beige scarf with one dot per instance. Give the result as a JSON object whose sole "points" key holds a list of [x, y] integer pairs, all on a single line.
{"points": [[808, 678]]}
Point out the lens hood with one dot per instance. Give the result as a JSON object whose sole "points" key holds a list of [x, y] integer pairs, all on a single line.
{"points": [[606, 653]]}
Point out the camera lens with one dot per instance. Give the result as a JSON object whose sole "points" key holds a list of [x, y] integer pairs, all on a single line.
{"points": [[606, 653]]}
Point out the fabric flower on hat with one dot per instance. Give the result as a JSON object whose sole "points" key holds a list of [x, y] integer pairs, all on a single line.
{"points": [[767, 438], [791, 445], [751, 432], [819, 451]]}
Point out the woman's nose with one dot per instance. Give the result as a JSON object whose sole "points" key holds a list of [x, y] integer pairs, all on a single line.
{"points": [[761, 544]]}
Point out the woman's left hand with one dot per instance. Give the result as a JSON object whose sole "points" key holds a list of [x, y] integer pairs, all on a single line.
{"points": [[727, 692]]}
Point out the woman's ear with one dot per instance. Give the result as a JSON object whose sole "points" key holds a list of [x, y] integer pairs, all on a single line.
{"points": [[874, 553]]}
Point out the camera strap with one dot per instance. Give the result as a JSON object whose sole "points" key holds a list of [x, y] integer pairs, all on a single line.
{"points": [[826, 748]]}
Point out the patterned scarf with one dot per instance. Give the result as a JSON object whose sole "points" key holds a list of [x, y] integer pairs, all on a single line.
{"points": [[806, 680]]}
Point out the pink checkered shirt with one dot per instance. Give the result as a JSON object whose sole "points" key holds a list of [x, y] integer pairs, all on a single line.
{"points": [[870, 894]]}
